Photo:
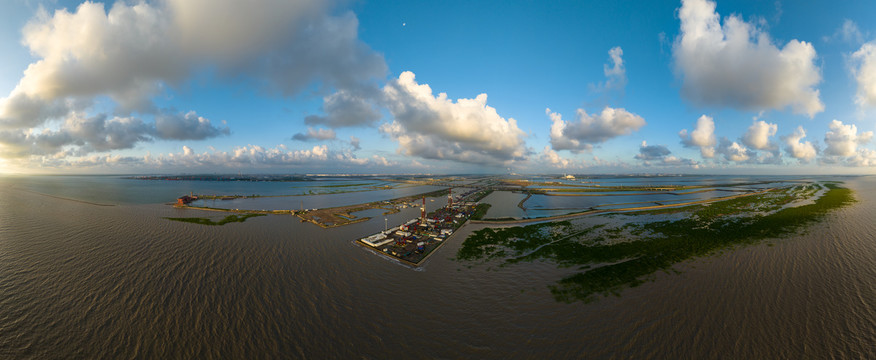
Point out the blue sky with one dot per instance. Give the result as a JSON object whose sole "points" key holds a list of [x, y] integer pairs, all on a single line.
{"points": [[316, 86]]}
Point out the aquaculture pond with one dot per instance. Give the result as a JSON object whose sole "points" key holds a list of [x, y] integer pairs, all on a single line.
{"points": [[612, 256], [503, 204], [596, 182]]}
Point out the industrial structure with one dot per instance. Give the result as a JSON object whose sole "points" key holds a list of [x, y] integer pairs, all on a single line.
{"points": [[412, 241]]}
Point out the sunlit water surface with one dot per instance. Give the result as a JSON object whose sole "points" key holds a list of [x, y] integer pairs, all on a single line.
{"points": [[79, 280]]}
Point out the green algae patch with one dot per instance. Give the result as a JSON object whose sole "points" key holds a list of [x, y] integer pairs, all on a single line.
{"points": [[205, 221], [611, 257]]}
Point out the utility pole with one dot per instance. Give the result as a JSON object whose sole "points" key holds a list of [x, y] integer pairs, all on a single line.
{"points": [[450, 198]]}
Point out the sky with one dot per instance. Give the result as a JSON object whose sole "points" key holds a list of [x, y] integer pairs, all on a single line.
{"points": [[447, 87]]}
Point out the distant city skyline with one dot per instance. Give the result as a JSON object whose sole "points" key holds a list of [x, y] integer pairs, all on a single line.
{"points": [[312, 86]]}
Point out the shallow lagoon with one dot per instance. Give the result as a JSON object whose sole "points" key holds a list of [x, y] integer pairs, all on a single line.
{"points": [[112, 189], [688, 180], [504, 204]]}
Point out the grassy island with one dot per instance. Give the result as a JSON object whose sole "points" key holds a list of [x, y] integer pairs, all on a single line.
{"points": [[628, 250], [343, 215], [205, 221]]}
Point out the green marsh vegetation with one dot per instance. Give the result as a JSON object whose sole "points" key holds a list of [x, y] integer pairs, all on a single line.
{"points": [[205, 221], [342, 185], [480, 195], [611, 257], [480, 211]]}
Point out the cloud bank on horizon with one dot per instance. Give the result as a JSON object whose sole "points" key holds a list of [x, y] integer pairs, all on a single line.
{"points": [[126, 87]]}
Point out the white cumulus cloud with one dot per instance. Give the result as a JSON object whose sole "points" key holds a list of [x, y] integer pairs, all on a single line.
{"points": [[135, 52], [551, 157], [798, 149], [758, 135], [864, 158], [581, 134], [702, 137], [615, 72], [186, 127], [254, 156], [736, 64], [843, 140], [864, 71], [80, 135], [671, 160], [733, 151], [436, 127]]}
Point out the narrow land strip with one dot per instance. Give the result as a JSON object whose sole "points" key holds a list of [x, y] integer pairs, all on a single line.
{"points": [[592, 212]]}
